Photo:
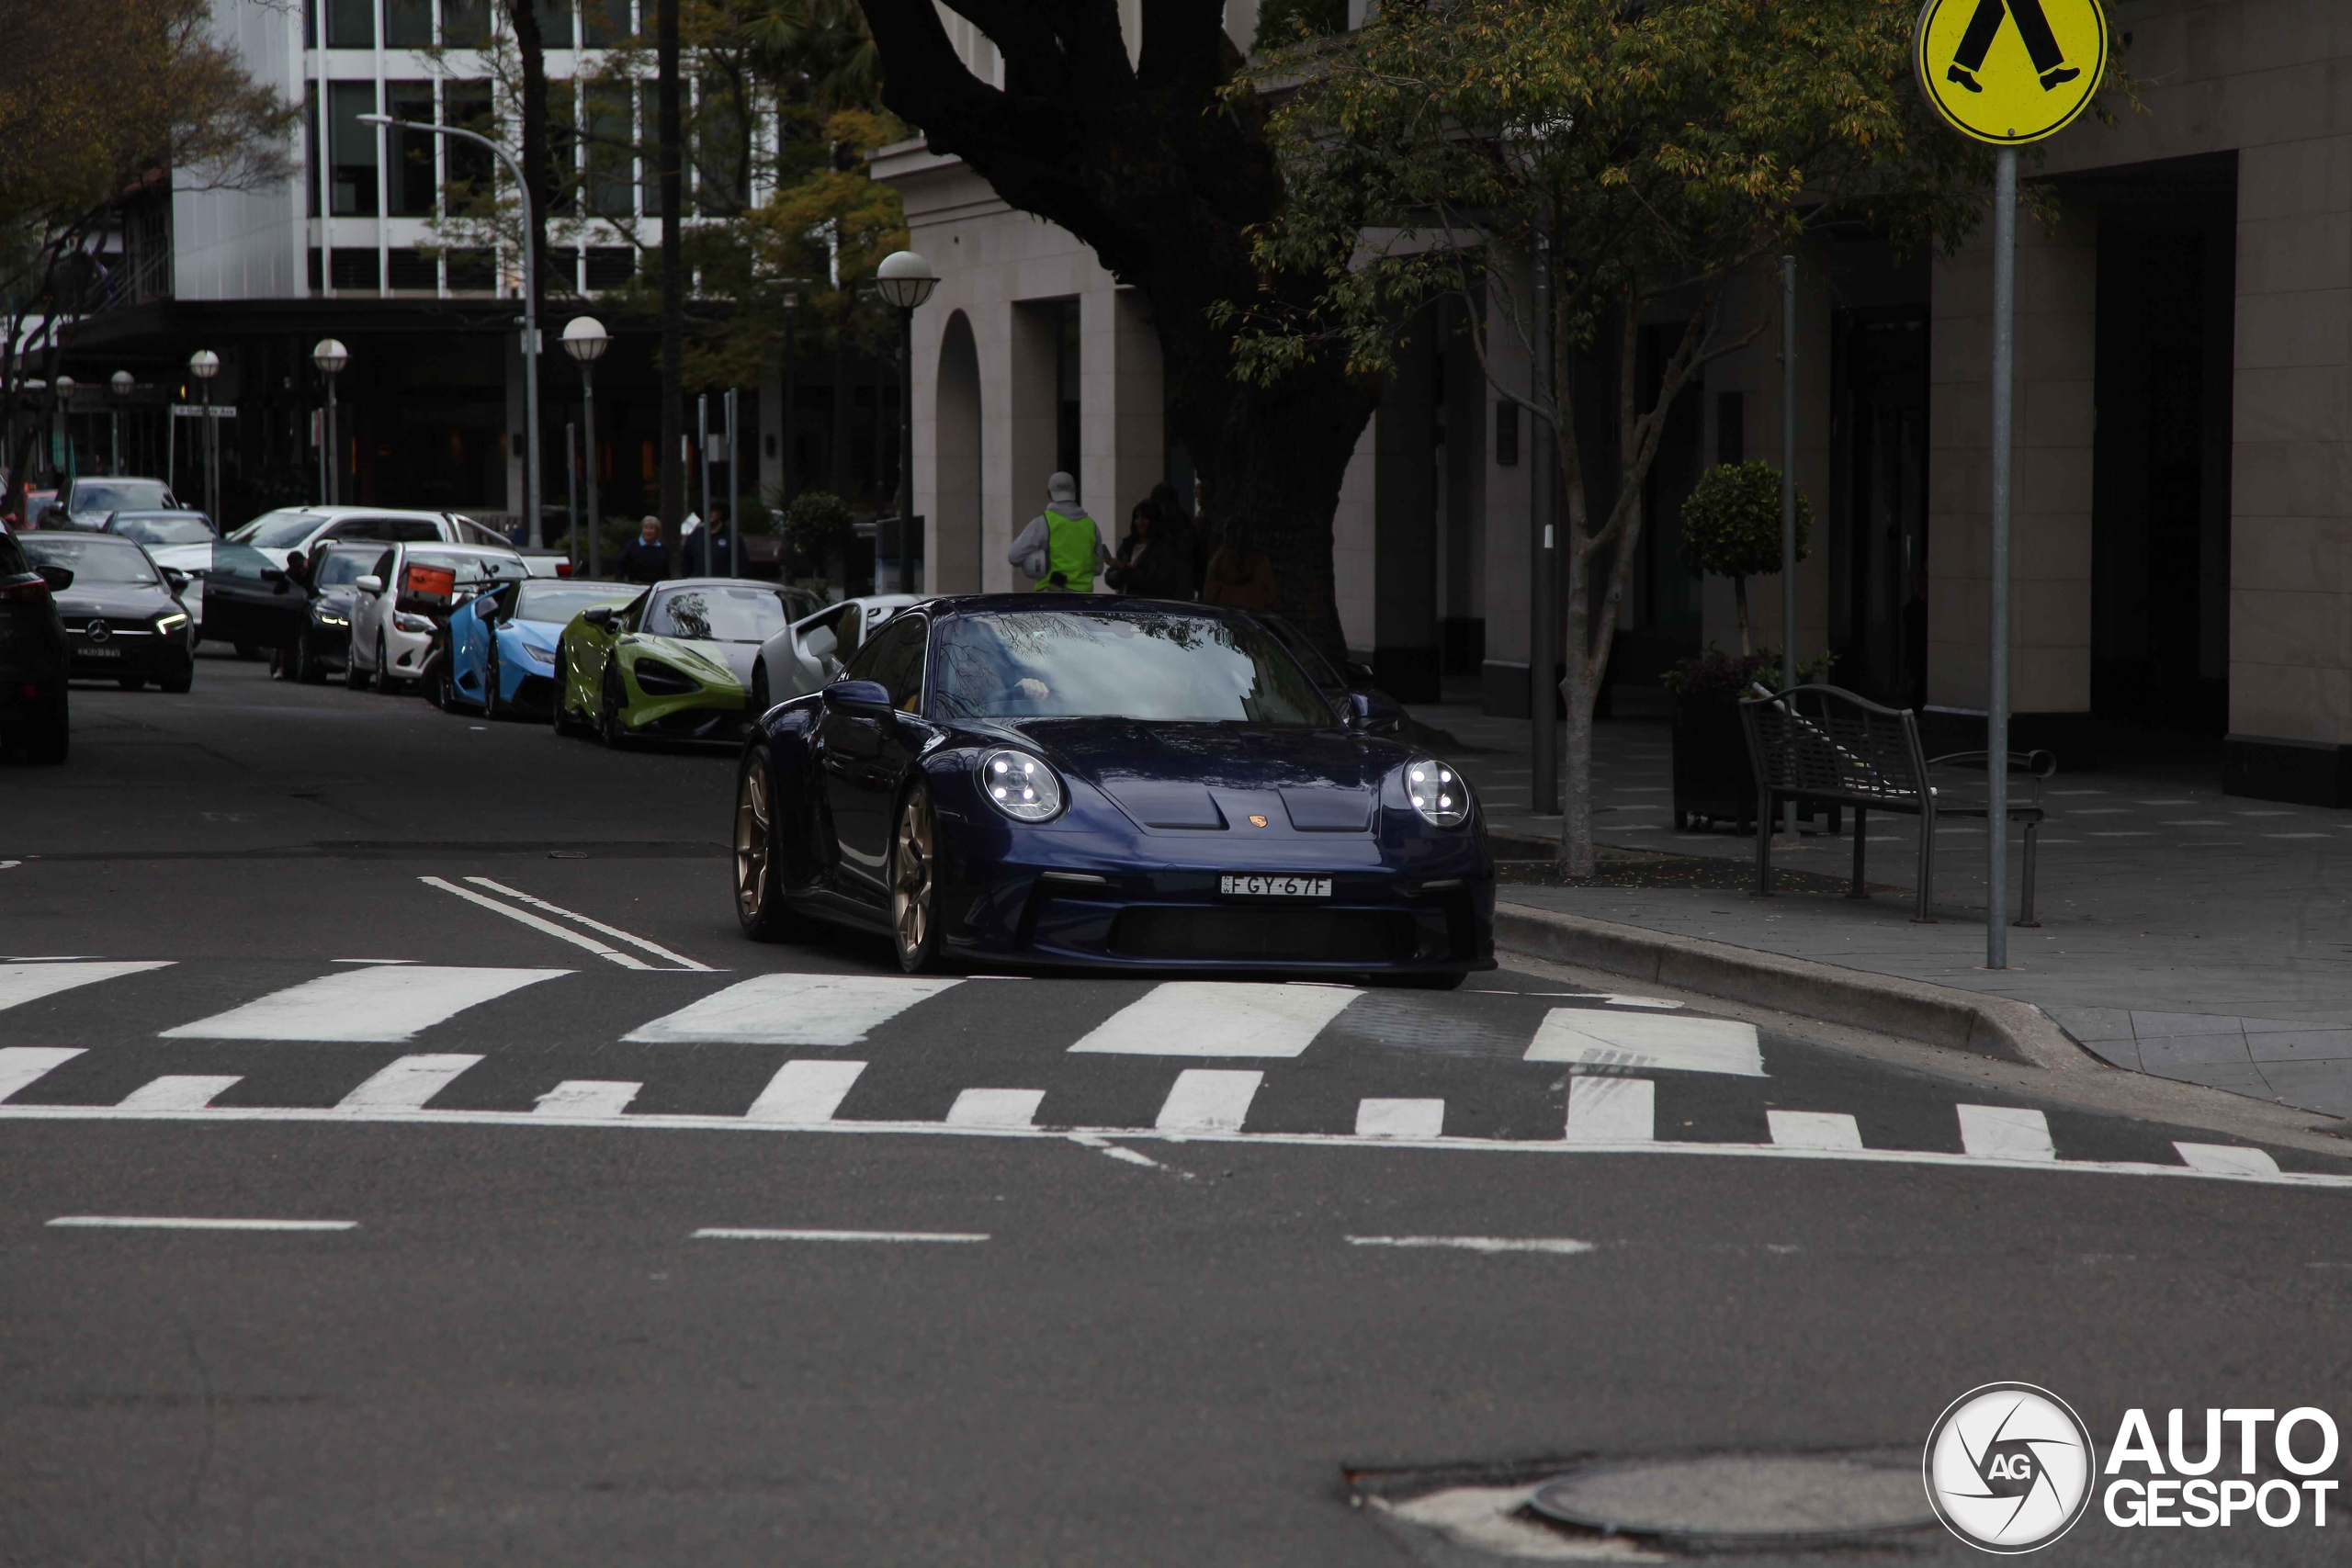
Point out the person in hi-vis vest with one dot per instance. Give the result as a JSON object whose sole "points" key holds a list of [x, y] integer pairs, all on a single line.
{"points": [[1061, 549]]}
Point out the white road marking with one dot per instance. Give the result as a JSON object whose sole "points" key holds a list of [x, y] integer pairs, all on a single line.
{"points": [[614, 931], [21, 1066], [407, 1084], [371, 960], [2227, 1159], [1124, 1155], [1216, 1017], [1612, 1111], [720, 1233], [2005, 1132], [178, 1093], [791, 1009], [996, 1108], [1208, 1099], [379, 1005], [1478, 1243], [608, 954], [28, 982], [1814, 1130], [168, 1223], [804, 1094], [1592, 1038], [587, 1097], [1616, 1000], [1099, 1137], [1400, 1118]]}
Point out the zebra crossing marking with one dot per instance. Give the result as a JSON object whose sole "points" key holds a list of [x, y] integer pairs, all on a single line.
{"points": [[1208, 1099], [178, 1092], [1814, 1130], [378, 1005], [996, 1108], [2227, 1159], [29, 982], [1588, 1037], [407, 1084], [1612, 1111], [1400, 1118], [2005, 1132], [1219, 1018], [595, 1097], [22, 1066], [805, 1094], [791, 1009]]}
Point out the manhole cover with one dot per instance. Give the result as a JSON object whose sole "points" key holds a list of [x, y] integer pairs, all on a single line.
{"points": [[1731, 1499]]}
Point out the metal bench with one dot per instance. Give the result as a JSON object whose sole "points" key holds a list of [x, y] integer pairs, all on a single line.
{"points": [[1826, 746]]}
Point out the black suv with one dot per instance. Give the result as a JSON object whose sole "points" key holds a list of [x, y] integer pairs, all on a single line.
{"points": [[32, 655]]}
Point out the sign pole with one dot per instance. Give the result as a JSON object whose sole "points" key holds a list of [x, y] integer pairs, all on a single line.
{"points": [[1788, 508], [1996, 702]]}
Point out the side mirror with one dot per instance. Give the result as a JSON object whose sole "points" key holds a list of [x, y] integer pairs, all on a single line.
{"points": [[1360, 676], [58, 578], [175, 579], [598, 615], [865, 699], [370, 583], [1373, 713]]}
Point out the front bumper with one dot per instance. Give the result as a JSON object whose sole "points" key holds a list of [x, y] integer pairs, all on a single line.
{"points": [[710, 713], [128, 652]]}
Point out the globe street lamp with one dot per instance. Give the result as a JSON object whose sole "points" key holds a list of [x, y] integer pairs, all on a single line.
{"points": [[585, 340], [905, 280], [122, 383], [329, 355], [530, 303], [204, 365]]}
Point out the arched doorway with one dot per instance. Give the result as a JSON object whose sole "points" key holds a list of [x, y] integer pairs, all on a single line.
{"points": [[955, 530]]}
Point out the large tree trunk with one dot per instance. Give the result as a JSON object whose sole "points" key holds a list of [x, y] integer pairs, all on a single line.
{"points": [[673, 282]]}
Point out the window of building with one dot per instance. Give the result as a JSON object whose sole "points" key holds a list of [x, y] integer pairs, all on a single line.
{"points": [[555, 24], [413, 271], [648, 126], [611, 266], [408, 24], [563, 270], [415, 180], [351, 24], [469, 108], [473, 272], [313, 153], [353, 268], [563, 148], [465, 24], [351, 147], [722, 150], [611, 153], [1065, 386], [605, 23]]}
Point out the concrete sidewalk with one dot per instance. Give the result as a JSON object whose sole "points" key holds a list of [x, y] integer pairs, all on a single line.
{"points": [[2184, 932]]}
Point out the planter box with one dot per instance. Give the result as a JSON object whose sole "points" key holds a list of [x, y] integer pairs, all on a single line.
{"points": [[1713, 780]]}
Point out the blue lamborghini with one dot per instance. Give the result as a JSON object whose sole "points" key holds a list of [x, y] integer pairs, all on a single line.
{"points": [[502, 643], [1058, 782]]}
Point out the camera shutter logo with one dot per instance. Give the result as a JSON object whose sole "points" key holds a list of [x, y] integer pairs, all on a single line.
{"points": [[2010, 1468]]}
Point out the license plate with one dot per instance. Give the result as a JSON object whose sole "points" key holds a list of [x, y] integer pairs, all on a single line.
{"points": [[1250, 886], [98, 652]]}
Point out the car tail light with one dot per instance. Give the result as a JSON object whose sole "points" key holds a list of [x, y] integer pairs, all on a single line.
{"points": [[30, 590], [563, 569]]}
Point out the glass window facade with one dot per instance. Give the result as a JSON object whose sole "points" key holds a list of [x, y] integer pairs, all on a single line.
{"points": [[351, 24], [351, 149], [408, 24], [414, 183], [465, 24], [603, 24]]}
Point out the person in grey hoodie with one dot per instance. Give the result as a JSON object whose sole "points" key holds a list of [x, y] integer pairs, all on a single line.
{"points": [[1061, 549]]}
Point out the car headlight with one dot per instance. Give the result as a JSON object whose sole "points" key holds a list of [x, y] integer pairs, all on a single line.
{"points": [[1437, 792], [543, 655], [325, 620], [1020, 785], [656, 679], [412, 623], [170, 623]]}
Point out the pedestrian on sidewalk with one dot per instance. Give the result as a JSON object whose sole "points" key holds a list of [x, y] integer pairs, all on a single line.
{"points": [[1061, 549], [1155, 560], [1239, 573], [645, 561], [706, 550]]}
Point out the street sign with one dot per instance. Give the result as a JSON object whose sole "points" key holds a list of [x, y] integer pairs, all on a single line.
{"points": [[203, 410], [2011, 72]]}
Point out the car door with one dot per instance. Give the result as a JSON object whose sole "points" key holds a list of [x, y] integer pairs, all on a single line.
{"points": [[865, 757], [367, 609], [243, 593], [587, 648]]}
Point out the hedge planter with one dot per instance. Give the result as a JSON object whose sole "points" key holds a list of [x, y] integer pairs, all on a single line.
{"points": [[1713, 780]]}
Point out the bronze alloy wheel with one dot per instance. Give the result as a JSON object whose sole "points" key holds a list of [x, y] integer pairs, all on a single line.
{"points": [[914, 884], [751, 830]]}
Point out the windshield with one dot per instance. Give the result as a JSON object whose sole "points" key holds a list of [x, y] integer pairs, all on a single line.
{"points": [[545, 601], [340, 569], [1131, 664], [91, 558], [121, 495], [278, 531], [718, 614], [163, 527]]}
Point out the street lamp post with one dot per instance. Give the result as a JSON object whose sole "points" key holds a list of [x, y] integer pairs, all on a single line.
{"points": [[530, 305], [585, 340], [122, 383], [905, 280], [62, 400], [204, 365], [330, 355]]}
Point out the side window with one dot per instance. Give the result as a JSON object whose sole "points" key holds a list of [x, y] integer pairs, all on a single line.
{"points": [[240, 561], [383, 566], [895, 659]]}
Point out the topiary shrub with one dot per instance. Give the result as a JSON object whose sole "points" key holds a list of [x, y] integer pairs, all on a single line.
{"points": [[1731, 528], [816, 522]]}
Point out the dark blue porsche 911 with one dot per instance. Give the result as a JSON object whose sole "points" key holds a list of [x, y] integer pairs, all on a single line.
{"points": [[1051, 781]]}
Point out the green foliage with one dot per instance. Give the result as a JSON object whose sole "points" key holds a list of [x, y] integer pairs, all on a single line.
{"points": [[1731, 523], [1715, 675], [1283, 21], [816, 522]]}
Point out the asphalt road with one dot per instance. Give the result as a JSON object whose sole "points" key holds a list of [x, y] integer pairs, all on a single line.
{"points": [[1141, 1304]]}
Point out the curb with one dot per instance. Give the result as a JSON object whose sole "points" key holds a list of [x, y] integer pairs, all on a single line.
{"points": [[1941, 1015]]}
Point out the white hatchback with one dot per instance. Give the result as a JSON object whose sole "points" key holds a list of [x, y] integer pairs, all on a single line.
{"points": [[397, 607]]}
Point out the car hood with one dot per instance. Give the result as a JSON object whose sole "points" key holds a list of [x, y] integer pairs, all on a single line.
{"points": [[720, 663], [1208, 777], [128, 602], [541, 634]]}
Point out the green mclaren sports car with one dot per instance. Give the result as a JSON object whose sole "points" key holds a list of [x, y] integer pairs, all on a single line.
{"points": [[673, 663]]}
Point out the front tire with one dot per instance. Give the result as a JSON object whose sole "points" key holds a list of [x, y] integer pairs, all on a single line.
{"points": [[176, 684], [381, 678], [914, 883], [307, 671], [760, 702], [354, 677], [490, 706], [610, 725], [132, 682], [758, 904]]}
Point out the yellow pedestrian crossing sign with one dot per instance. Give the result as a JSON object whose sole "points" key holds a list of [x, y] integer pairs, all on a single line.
{"points": [[2010, 71]]}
